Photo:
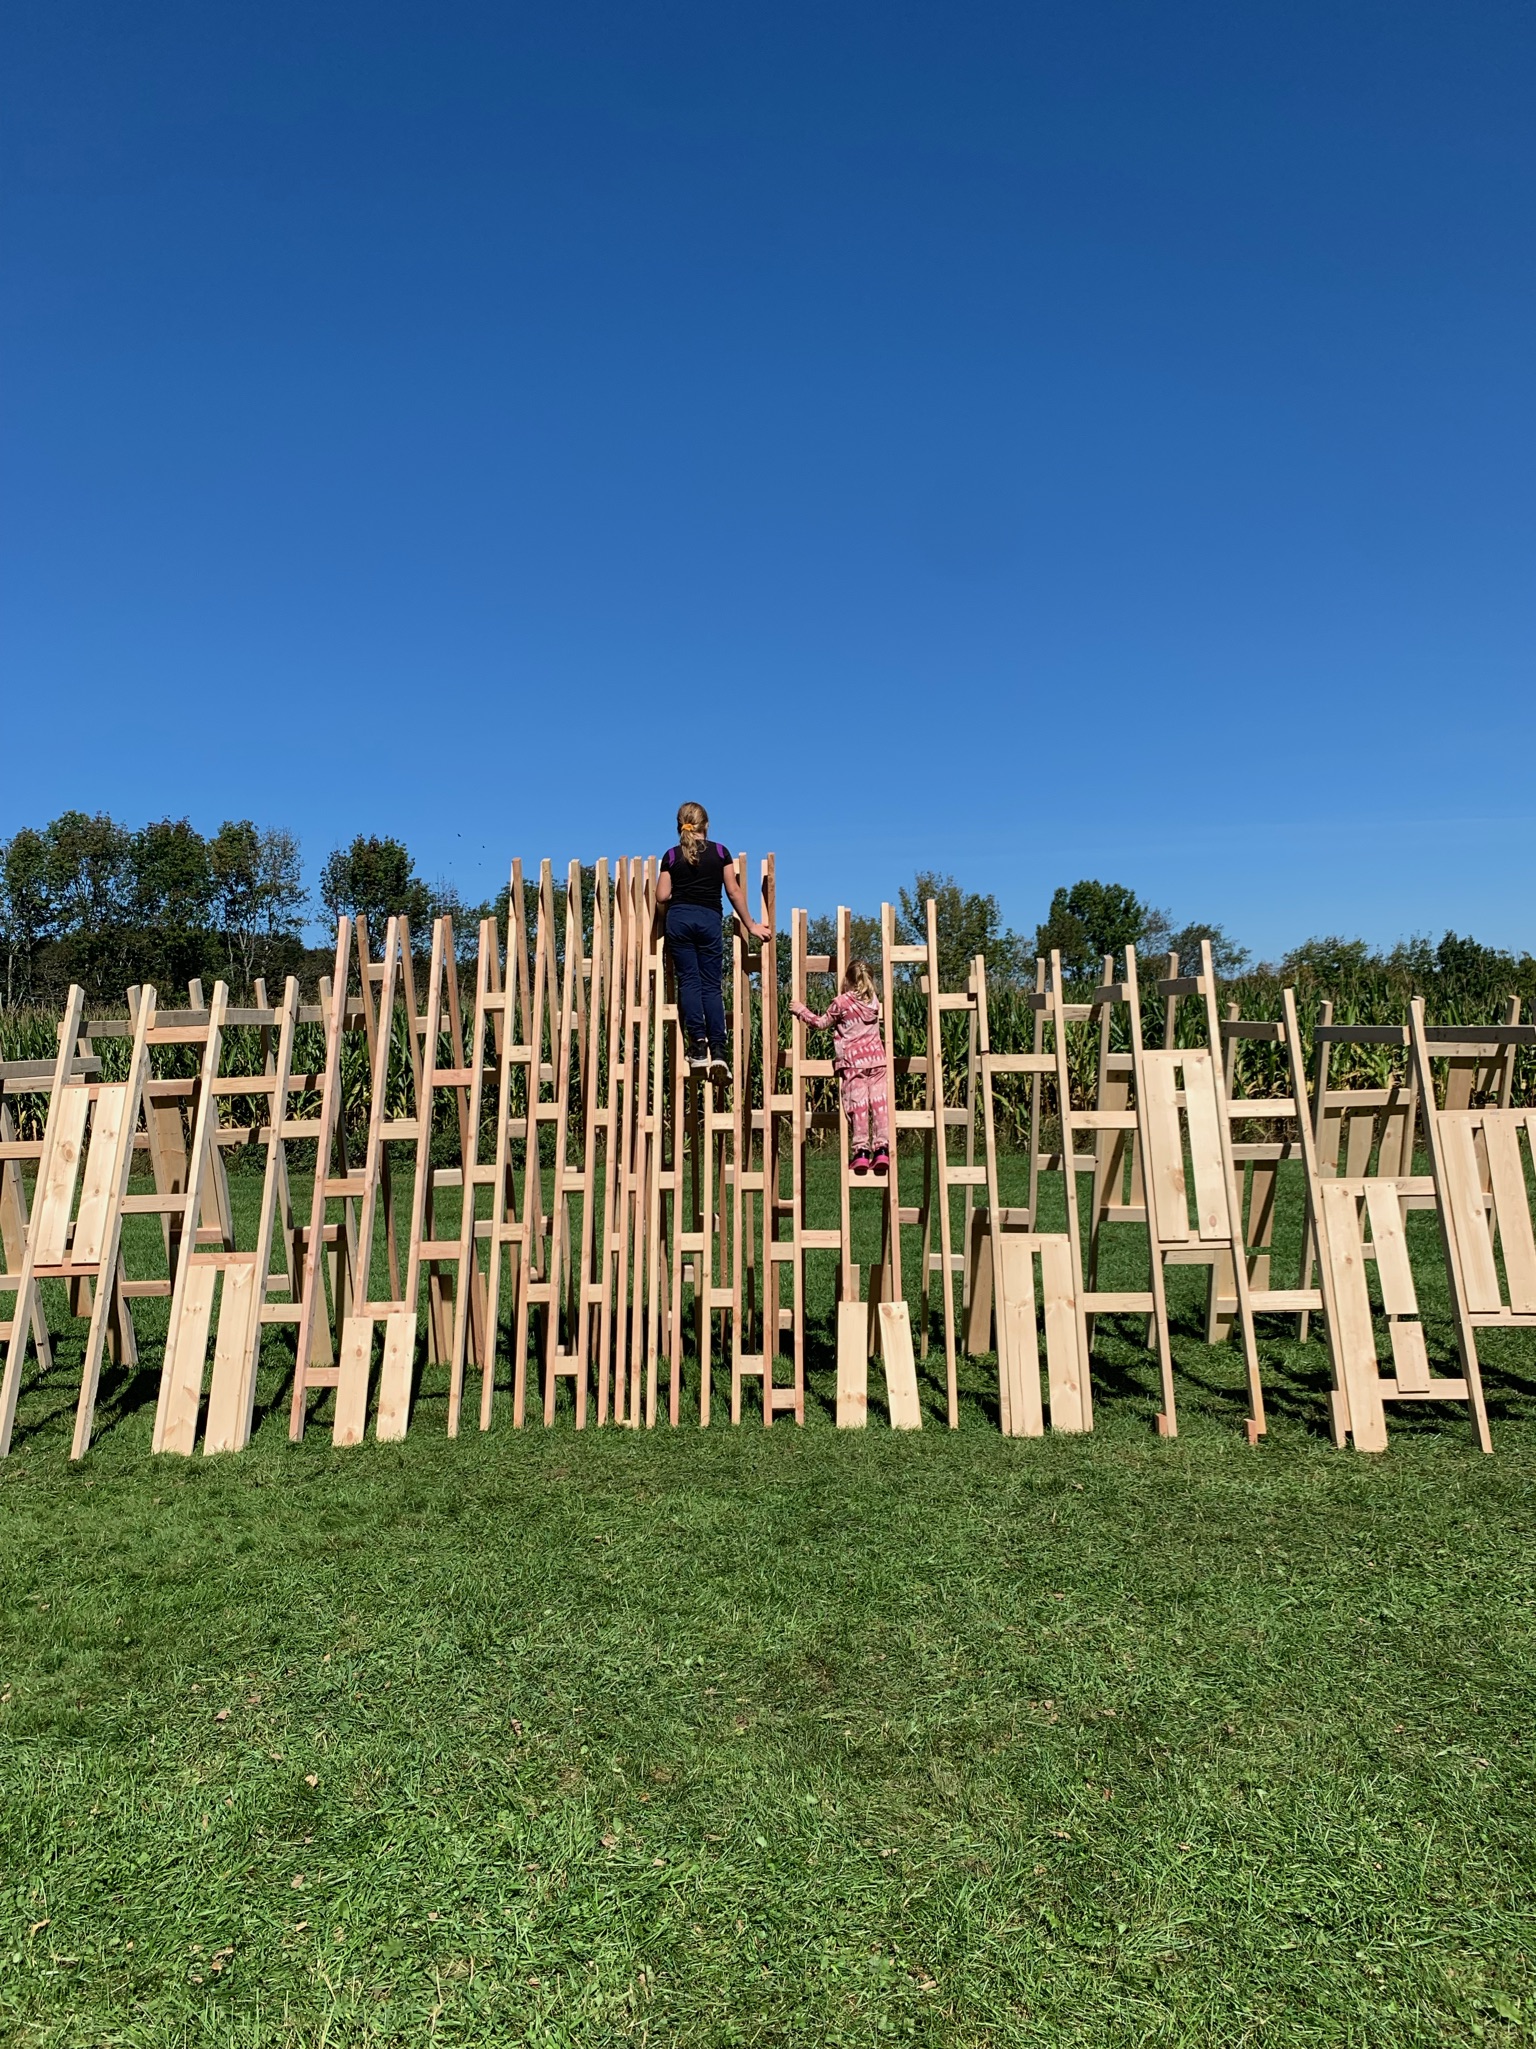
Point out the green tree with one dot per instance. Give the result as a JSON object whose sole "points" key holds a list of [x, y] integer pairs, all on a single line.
{"points": [[1328, 961], [91, 872], [172, 881], [258, 894], [26, 909], [375, 878], [90, 879], [1160, 936], [967, 923], [172, 904], [1088, 921]]}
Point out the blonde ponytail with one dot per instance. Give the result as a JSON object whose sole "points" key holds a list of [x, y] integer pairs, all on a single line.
{"points": [[692, 825], [861, 977]]}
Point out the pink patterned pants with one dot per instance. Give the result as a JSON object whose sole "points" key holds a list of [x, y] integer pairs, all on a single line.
{"points": [[864, 1101]]}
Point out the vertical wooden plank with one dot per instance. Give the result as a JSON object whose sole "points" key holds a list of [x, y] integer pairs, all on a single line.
{"points": [[852, 1366], [1506, 1170], [1469, 1216], [229, 1410], [1018, 1335], [395, 1376], [354, 1364], [186, 1354], [900, 1366], [1166, 1182], [1213, 1222], [56, 1198], [1064, 1367], [1352, 1333]]}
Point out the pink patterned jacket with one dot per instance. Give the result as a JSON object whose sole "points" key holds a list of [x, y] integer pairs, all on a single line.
{"points": [[857, 1047]]}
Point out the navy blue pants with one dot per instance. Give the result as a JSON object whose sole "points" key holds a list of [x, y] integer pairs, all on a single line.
{"points": [[693, 942]]}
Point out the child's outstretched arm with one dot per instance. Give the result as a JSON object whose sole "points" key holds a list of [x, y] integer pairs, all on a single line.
{"points": [[739, 905], [810, 1017]]}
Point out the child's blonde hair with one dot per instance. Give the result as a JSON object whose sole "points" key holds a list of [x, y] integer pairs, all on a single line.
{"points": [[861, 976], [692, 824]]}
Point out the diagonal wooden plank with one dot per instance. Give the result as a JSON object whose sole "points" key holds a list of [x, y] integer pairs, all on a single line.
{"points": [[1383, 1205], [1506, 1174], [1410, 1360], [61, 1168], [1469, 1216], [98, 1184], [1398, 1295], [1353, 1338]]}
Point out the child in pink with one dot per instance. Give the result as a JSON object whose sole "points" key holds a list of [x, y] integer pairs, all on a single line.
{"points": [[858, 1059]]}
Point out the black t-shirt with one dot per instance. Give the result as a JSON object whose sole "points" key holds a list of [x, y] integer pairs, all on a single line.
{"points": [[698, 882]]}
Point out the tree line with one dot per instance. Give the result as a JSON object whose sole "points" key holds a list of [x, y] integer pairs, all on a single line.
{"points": [[86, 899]]}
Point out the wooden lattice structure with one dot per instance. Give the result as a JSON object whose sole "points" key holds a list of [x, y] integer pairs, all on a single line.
{"points": [[503, 1173]]}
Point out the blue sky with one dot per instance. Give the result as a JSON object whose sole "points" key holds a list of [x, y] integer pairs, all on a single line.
{"points": [[1030, 441]]}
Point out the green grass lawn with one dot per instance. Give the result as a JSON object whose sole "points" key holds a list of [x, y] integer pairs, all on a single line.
{"points": [[783, 1737]]}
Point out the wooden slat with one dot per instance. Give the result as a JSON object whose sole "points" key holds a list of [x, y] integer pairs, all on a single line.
{"points": [[1393, 1272], [852, 1365], [186, 1356], [1409, 1357], [1469, 1216], [900, 1366], [234, 1349], [395, 1376], [1165, 1149], [56, 1198], [354, 1367], [1119, 1302], [99, 1183], [1212, 1190], [1064, 1368], [1506, 1173], [1018, 1338], [1395, 1275], [1354, 1334]]}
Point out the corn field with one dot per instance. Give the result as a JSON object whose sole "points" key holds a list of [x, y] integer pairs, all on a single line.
{"points": [[1373, 995]]}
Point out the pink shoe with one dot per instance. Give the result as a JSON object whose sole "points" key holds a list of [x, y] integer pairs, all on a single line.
{"points": [[881, 1161], [860, 1163]]}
